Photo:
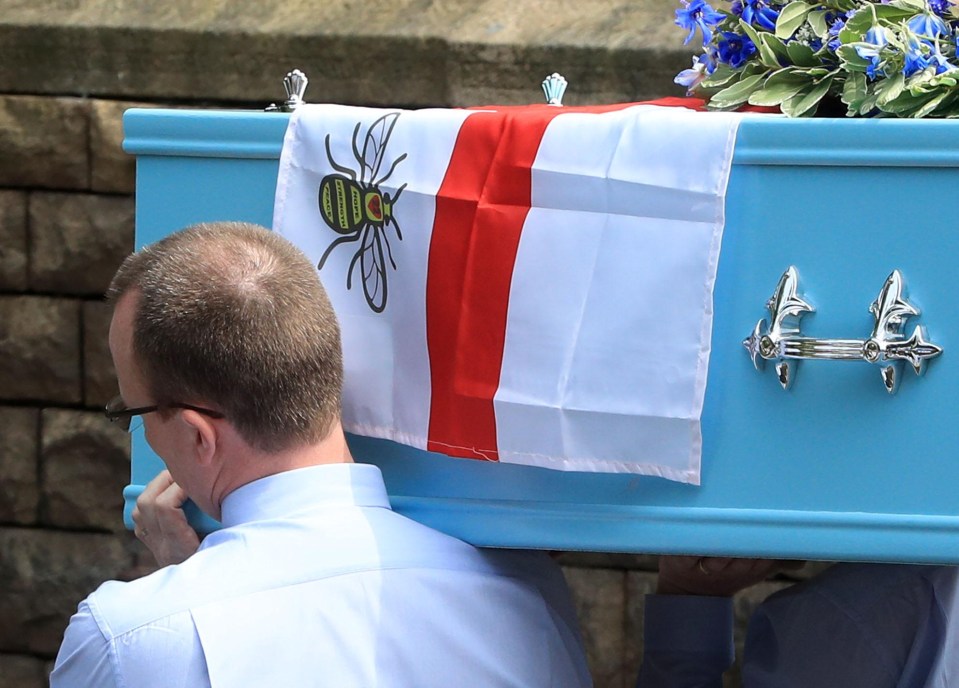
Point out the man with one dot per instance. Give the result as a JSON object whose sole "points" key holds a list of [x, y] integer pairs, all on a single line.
{"points": [[852, 626], [226, 345]]}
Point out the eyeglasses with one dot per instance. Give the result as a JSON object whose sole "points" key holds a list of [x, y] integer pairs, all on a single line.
{"points": [[118, 412]]}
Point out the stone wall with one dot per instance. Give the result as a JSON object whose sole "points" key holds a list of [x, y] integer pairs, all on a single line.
{"points": [[66, 221]]}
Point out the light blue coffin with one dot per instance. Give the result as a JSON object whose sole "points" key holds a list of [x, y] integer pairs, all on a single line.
{"points": [[834, 468]]}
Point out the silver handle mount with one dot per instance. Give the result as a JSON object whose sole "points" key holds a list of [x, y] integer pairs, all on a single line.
{"points": [[782, 341]]}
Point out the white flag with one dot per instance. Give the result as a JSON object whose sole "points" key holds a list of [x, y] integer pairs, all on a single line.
{"points": [[530, 285]]}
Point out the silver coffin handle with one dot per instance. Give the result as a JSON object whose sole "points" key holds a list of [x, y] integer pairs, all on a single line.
{"points": [[782, 341]]}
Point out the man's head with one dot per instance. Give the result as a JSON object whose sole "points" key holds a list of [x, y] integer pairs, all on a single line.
{"points": [[231, 317]]}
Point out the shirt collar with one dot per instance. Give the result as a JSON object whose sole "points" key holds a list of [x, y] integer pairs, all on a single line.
{"points": [[303, 489]]}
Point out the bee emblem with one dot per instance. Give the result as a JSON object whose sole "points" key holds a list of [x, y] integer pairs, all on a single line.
{"points": [[354, 206]]}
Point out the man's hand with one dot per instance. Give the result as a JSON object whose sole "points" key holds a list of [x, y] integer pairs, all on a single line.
{"points": [[715, 576], [160, 523]]}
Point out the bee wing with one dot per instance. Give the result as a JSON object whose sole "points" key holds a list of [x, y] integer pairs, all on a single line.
{"points": [[373, 269], [375, 145]]}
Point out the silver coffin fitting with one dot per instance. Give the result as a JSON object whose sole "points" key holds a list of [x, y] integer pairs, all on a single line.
{"points": [[294, 83], [782, 341], [554, 88]]}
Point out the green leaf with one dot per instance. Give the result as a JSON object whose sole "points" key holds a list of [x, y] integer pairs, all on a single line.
{"points": [[791, 18], [889, 89], [817, 20], [766, 54], [848, 36], [737, 94], [722, 77], [749, 31], [806, 101], [930, 106], [870, 16], [776, 92], [868, 104], [907, 104], [802, 55], [788, 75], [949, 107], [770, 42], [911, 6], [854, 90], [916, 107], [851, 59]]}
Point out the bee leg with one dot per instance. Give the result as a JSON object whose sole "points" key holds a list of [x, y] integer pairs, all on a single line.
{"points": [[396, 224], [389, 251], [329, 249], [337, 167], [349, 271], [390, 173], [356, 152]]}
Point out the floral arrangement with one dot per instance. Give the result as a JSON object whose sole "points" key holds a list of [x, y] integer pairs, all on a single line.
{"points": [[862, 57]]}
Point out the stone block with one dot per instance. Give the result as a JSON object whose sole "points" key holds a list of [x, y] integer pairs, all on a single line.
{"points": [[456, 52], [111, 169], [43, 577], [99, 376], [22, 671], [85, 464], [19, 489], [44, 142], [40, 349], [78, 241], [600, 600], [13, 240]]}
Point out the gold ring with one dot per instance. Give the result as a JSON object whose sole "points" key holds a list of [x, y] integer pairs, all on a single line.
{"points": [[701, 566]]}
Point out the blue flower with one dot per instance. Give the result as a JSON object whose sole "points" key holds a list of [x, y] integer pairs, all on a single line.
{"points": [[940, 7], [915, 61], [756, 12], [734, 49], [697, 13], [876, 39], [833, 34], [876, 36], [927, 24], [703, 66], [836, 24], [939, 60], [690, 78]]}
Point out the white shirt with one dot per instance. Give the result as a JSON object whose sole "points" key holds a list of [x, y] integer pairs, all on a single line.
{"points": [[314, 581]]}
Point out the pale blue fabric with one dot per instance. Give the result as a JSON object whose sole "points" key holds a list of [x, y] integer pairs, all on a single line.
{"points": [[314, 581], [855, 625]]}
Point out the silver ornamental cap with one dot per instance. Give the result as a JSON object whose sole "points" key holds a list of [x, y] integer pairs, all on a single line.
{"points": [[554, 86], [294, 83]]}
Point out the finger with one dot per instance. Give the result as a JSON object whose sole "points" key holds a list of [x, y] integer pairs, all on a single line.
{"points": [[158, 484], [173, 497]]}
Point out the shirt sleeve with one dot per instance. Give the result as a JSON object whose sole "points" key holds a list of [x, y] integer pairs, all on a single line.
{"points": [[85, 657], [688, 641]]}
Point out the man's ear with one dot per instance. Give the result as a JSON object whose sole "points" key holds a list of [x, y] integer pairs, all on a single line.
{"points": [[206, 435]]}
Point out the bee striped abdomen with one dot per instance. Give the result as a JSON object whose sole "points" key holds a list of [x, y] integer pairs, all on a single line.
{"points": [[341, 202]]}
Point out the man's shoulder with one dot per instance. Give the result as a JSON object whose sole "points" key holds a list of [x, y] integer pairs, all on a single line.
{"points": [[123, 606]]}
